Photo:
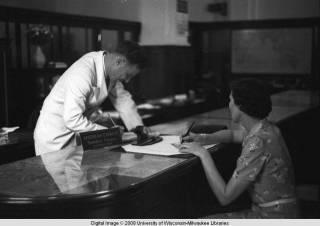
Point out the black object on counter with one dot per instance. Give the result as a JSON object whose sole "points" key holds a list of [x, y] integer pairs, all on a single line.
{"points": [[143, 137]]}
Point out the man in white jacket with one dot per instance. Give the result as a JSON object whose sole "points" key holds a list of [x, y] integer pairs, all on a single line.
{"points": [[81, 89]]}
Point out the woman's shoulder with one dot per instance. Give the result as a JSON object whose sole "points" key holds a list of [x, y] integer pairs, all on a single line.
{"points": [[262, 136], [268, 138], [253, 142], [268, 131]]}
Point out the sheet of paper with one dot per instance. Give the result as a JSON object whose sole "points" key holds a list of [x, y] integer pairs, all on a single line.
{"points": [[164, 147], [4, 130]]}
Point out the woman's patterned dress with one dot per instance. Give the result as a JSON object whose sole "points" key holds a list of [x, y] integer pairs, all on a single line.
{"points": [[266, 162]]}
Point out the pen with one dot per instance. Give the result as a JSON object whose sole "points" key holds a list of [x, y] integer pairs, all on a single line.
{"points": [[189, 129], [111, 119]]}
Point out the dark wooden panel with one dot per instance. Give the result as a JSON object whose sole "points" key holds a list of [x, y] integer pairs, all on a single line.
{"points": [[301, 133], [20, 146], [3, 85], [210, 49], [170, 71], [23, 90], [268, 23]]}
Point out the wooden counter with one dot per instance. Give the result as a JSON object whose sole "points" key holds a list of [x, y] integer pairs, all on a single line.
{"points": [[284, 106], [107, 183], [73, 183], [20, 146]]}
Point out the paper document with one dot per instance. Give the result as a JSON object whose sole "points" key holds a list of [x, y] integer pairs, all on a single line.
{"points": [[5, 130], [164, 147]]}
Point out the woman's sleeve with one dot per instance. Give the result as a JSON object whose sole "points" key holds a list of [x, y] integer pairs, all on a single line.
{"points": [[252, 160]]}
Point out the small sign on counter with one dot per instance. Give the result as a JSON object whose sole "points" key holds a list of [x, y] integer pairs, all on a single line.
{"points": [[100, 138]]}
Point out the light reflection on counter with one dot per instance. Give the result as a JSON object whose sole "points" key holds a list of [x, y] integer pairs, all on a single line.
{"points": [[74, 171]]}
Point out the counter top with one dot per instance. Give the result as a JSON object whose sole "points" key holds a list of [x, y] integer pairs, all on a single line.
{"points": [[20, 146], [71, 172], [100, 183], [284, 105]]}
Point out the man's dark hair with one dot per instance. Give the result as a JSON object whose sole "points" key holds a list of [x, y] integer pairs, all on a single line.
{"points": [[252, 96], [133, 52]]}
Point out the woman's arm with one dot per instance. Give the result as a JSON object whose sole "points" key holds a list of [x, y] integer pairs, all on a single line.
{"points": [[225, 193], [222, 136]]}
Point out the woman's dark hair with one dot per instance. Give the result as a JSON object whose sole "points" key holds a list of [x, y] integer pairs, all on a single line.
{"points": [[252, 96], [133, 52]]}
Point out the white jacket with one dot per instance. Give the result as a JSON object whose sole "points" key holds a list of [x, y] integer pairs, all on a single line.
{"points": [[78, 92]]}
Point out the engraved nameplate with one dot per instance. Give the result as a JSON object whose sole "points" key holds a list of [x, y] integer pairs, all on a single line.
{"points": [[100, 138]]}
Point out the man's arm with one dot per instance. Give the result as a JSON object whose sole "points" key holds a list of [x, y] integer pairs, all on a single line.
{"points": [[126, 107], [78, 91]]}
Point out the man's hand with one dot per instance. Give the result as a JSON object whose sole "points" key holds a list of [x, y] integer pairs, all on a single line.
{"points": [[150, 133], [96, 116], [144, 132]]}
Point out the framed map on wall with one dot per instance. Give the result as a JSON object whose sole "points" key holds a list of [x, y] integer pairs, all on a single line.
{"points": [[272, 51]]}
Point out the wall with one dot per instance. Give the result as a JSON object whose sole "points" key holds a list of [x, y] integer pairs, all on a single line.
{"points": [[287, 8], [271, 9], [118, 9], [115, 9], [130, 9], [255, 9], [158, 17], [159, 23], [198, 10]]}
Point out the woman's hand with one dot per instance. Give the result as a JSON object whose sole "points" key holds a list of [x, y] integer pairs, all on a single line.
{"points": [[192, 148], [195, 137]]}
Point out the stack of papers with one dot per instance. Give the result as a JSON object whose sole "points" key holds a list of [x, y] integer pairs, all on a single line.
{"points": [[165, 147]]}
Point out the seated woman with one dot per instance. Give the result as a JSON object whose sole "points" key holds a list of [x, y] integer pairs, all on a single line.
{"points": [[264, 167]]}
